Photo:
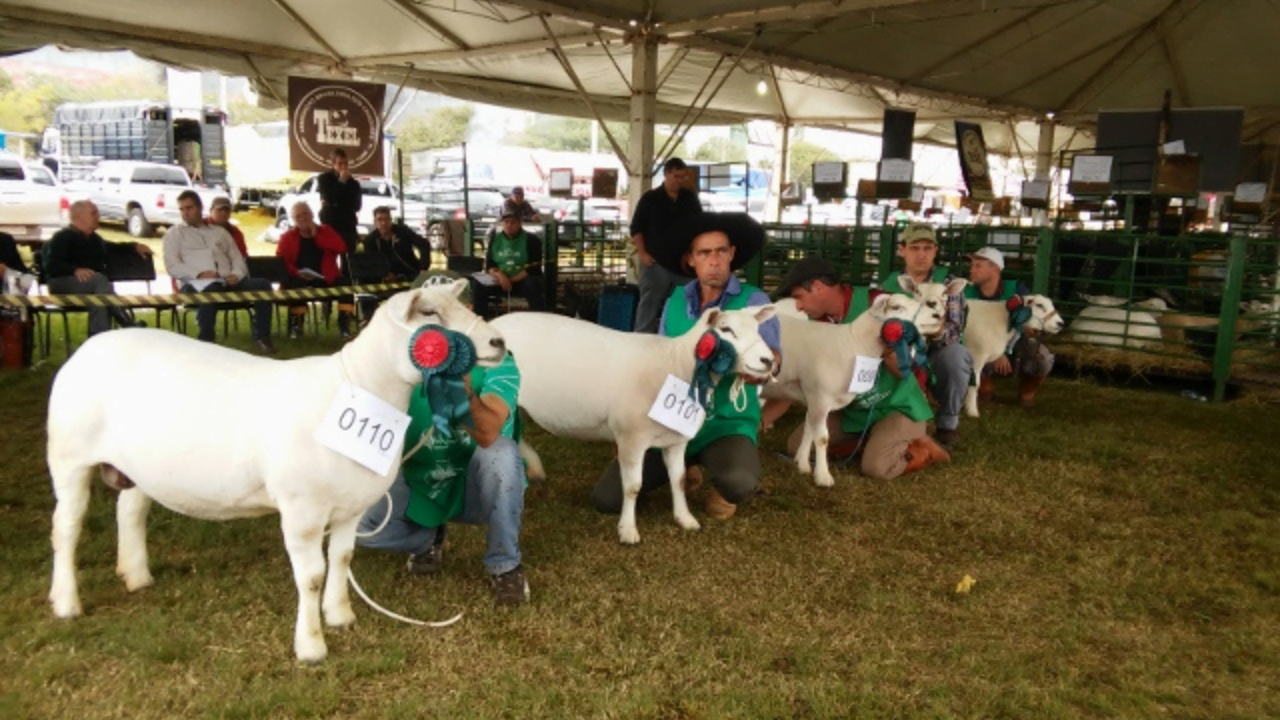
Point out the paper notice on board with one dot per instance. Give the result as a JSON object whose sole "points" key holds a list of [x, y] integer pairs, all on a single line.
{"points": [[895, 170], [1091, 169], [1252, 192], [828, 173]]}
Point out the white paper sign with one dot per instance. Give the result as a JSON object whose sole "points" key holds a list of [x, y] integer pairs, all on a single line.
{"points": [[1175, 147], [895, 170], [917, 193], [864, 374], [363, 427], [674, 409], [827, 173], [1036, 190], [1251, 192], [1091, 169]]}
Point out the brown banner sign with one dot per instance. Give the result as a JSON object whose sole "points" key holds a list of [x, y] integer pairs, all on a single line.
{"points": [[973, 160], [325, 115]]}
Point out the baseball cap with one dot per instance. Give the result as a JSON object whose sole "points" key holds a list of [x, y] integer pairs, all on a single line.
{"points": [[220, 201], [429, 278], [508, 211], [917, 232], [803, 271], [992, 254], [517, 190]]}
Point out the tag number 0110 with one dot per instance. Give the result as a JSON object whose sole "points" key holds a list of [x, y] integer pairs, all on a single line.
{"points": [[349, 421]]}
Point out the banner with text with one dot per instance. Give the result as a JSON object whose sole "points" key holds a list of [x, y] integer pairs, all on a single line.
{"points": [[327, 115]]}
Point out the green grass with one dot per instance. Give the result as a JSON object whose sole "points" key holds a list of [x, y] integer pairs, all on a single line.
{"points": [[1126, 547]]}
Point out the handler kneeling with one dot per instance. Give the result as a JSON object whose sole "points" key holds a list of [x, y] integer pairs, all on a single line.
{"points": [[472, 474]]}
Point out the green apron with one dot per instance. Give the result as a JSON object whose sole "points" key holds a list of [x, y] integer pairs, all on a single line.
{"points": [[723, 418], [1008, 289], [511, 255]]}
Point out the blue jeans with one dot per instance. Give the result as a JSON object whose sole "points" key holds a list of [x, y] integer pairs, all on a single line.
{"points": [[494, 497], [207, 313], [952, 368]]}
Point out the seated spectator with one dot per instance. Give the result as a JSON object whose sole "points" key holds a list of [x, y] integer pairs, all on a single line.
{"points": [[202, 258], [513, 265], [220, 215], [75, 263], [310, 253], [521, 207], [407, 252]]}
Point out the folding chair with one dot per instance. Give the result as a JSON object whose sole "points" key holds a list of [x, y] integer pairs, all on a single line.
{"points": [[367, 268], [271, 268], [132, 267]]}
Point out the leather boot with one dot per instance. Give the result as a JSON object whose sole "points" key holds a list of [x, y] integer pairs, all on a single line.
{"points": [[718, 507], [986, 389], [922, 452], [1027, 387]]}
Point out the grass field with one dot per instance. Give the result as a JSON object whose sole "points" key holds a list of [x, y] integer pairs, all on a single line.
{"points": [[1126, 547]]}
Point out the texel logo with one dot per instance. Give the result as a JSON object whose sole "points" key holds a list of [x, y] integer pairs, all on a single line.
{"points": [[327, 115]]}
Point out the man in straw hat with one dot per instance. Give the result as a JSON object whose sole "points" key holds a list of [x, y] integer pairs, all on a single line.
{"points": [[709, 247]]}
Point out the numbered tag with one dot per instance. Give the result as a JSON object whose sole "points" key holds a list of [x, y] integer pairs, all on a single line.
{"points": [[674, 409], [363, 427], [864, 374]]}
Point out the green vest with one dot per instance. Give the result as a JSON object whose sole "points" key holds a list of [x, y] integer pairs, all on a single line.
{"points": [[890, 283], [511, 255], [1008, 289], [437, 473], [723, 417], [889, 394]]}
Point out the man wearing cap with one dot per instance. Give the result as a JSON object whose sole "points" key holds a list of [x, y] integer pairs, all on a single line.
{"points": [[472, 474], [521, 207], [1032, 359], [220, 215], [949, 359], [513, 265], [891, 416], [709, 247], [203, 258], [658, 210]]}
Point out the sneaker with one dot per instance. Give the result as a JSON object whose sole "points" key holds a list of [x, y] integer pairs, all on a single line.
{"points": [[294, 332], [429, 562], [510, 588], [265, 346]]}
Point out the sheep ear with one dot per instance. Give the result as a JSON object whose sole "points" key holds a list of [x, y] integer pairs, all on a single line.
{"points": [[908, 285], [411, 307], [878, 305], [956, 286], [765, 313], [710, 315], [459, 285]]}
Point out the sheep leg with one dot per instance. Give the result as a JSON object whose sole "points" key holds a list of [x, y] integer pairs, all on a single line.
{"points": [[815, 425], [337, 598], [805, 451], [674, 458], [631, 463], [132, 564], [971, 401], [533, 463], [71, 488], [303, 528]]}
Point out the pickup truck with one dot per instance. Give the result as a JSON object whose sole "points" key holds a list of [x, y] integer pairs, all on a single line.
{"points": [[139, 194], [31, 201], [376, 191]]}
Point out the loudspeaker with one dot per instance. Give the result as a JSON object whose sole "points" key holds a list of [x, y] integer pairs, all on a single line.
{"points": [[898, 134]]}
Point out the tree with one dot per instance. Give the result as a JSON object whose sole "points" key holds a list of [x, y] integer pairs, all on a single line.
{"points": [[803, 156], [440, 128], [720, 149], [555, 133]]}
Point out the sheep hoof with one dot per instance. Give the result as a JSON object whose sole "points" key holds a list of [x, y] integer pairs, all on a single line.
{"points": [[628, 536], [313, 655], [340, 619], [134, 582], [824, 480], [804, 467], [67, 610], [688, 522]]}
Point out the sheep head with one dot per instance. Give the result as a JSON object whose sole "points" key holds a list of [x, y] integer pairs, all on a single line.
{"points": [[1044, 316], [930, 315], [741, 329], [402, 314]]}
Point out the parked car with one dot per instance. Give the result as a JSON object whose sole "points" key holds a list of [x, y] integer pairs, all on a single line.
{"points": [[598, 219], [32, 204], [141, 195], [377, 191], [483, 207]]}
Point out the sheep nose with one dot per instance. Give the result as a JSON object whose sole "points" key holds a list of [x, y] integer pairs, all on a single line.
{"points": [[767, 361], [498, 344]]}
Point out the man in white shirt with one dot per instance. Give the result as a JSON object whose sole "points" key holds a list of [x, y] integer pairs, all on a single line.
{"points": [[204, 258]]}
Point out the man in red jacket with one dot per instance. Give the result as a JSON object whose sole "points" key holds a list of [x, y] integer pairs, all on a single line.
{"points": [[310, 253]]}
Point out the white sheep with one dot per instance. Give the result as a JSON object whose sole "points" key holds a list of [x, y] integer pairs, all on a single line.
{"points": [[987, 334], [1108, 325], [819, 358], [588, 382], [218, 434]]}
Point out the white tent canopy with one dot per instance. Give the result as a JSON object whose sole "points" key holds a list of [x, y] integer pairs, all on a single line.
{"points": [[830, 63]]}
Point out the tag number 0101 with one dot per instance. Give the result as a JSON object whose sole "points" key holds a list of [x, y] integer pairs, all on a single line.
{"points": [[378, 435], [684, 407]]}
